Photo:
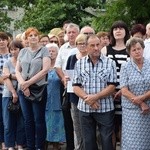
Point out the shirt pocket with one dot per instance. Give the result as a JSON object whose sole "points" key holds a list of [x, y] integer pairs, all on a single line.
{"points": [[85, 77], [102, 75]]}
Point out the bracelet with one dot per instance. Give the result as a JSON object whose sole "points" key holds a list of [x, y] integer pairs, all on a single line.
{"points": [[10, 76]]}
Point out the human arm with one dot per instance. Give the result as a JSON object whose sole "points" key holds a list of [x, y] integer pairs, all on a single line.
{"points": [[130, 96], [40, 75], [1, 80], [9, 85], [81, 93]]}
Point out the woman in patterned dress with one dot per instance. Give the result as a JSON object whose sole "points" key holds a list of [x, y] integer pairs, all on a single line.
{"points": [[135, 88], [53, 112]]}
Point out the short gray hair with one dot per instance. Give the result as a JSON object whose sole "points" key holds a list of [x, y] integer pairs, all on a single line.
{"points": [[73, 25], [132, 41], [52, 45]]}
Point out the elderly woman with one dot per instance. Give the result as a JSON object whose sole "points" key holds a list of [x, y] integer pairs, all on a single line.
{"points": [[81, 41], [31, 68], [53, 112], [135, 88]]}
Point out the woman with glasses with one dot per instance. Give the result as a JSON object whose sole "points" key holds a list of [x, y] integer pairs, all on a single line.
{"points": [[81, 46]]}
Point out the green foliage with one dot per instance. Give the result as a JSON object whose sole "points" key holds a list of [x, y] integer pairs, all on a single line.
{"points": [[130, 11], [4, 21], [46, 15]]}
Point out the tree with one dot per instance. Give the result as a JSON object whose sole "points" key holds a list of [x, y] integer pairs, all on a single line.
{"points": [[46, 15], [5, 6], [130, 11]]}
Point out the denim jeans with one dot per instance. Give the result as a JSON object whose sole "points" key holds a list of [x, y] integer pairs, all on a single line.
{"points": [[105, 123], [1, 122], [14, 132], [34, 120]]}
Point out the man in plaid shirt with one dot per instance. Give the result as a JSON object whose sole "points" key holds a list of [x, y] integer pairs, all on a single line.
{"points": [[94, 82]]}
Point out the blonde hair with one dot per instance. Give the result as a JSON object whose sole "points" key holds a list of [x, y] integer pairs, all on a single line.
{"points": [[81, 37]]}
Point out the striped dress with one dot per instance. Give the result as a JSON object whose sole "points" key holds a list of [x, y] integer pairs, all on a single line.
{"points": [[119, 56]]}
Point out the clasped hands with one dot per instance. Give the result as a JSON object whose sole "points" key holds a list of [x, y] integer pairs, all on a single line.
{"points": [[139, 100], [91, 100], [25, 88]]}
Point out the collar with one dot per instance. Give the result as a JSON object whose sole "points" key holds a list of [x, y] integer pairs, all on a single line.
{"points": [[100, 58]]}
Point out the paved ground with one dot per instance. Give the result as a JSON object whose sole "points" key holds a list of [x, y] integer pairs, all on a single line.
{"points": [[63, 147]]}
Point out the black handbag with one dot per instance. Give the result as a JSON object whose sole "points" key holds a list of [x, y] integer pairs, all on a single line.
{"points": [[14, 107], [66, 105], [36, 92]]}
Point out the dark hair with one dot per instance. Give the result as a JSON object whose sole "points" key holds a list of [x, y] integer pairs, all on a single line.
{"points": [[44, 35], [138, 28], [67, 22], [119, 24], [15, 43], [4, 36]]}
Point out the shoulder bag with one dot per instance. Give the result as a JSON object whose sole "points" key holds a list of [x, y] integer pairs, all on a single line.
{"points": [[36, 91]]}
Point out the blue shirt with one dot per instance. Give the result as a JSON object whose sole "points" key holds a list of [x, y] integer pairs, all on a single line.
{"points": [[93, 78]]}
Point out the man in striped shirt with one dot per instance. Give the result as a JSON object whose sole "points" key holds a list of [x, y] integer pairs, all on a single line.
{"points": [[94, 82]]}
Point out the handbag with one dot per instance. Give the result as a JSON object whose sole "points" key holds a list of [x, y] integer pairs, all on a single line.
{"points": [[14, 107], [66, 105], [36, 92]]}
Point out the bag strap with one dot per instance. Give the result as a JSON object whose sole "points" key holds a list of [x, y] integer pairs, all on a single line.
{"points": [[31, 60]]}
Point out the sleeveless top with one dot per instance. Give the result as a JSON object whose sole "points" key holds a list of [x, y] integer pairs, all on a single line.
{"points": [[119, 56]]}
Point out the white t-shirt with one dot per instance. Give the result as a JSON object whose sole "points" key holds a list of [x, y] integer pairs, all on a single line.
{"points": [[65, 51], [146, 53]]}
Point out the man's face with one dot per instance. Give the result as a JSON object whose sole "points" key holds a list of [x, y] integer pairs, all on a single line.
{"points": [[72, 33], [93, 47]]}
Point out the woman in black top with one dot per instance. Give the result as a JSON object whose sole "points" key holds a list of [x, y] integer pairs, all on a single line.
{"points": [[119, 34]]}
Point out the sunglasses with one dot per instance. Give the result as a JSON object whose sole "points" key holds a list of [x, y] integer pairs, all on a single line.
{"points": [[88, 33], [52, 41]]}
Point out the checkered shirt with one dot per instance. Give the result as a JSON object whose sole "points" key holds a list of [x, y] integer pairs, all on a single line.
{"points": [[93, 79]]}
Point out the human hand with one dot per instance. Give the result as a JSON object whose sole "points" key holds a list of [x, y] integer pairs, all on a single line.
{"points": [[24, 85], [96, 105], [26, 92], [90, 99], [5, 76], [117, 95], [145, 108], [64, 80], [15, 97], [137, 100]]}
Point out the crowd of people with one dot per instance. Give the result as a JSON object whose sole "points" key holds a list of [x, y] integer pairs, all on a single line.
{"points": [[95, 88]]}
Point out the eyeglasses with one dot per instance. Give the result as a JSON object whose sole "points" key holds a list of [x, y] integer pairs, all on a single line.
{"points": [[81, 44], [88, 33], [52, 41]]}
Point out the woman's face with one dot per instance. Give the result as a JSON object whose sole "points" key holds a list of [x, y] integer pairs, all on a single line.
{"points": [[33, 38], [44, 41], [14, 51], [81, 46], [53, 52], [54, 40], [119, 33], [136, 52], [138, 35]]}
